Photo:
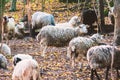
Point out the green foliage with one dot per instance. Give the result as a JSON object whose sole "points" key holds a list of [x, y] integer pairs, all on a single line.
{"points": [[106, 12], [6, 1], [2, 5], [111, 3]]}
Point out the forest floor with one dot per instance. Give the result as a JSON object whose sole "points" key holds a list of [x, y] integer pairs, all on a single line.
{"points": [[55, 65]]}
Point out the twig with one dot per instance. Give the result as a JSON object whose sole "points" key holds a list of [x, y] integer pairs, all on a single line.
{"points": [[4, 75]]}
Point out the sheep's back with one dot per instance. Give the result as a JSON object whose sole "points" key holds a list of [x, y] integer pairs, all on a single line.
{"points": [[99, 56], [40, 19], [82, 44], [58, 35], [28, 66]]}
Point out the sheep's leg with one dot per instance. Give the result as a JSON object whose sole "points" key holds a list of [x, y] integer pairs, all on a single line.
{"points": [[44, 51], [92, 74], [118, 76], [107, 70], [68, 53], [73, 60], [91, 29], [35, 75], [96, 75], [14, 39], [7, 39], [33, 32]]}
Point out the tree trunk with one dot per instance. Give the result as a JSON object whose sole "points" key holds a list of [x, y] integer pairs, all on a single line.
{"points": [[117, 22], [13, 6], [29, 17], [43, 5], [2, 5], [101, 16]]}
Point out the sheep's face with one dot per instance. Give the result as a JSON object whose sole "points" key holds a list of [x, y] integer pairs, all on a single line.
{"points": [[97, 37], [83, 28], [75, 21], [20, 25]]}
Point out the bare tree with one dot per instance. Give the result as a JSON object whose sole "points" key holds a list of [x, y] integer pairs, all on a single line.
{"points": [[117, 22]]}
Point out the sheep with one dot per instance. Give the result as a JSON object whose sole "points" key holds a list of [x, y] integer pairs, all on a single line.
{"points": [[80, 45], [20, 57], [74, 22], [111, 15], [60, 36], [40, 19], [9, 26], [89, 17], [100, 57], [19, 30], [27, 69], [3, 61], [5, 49]]}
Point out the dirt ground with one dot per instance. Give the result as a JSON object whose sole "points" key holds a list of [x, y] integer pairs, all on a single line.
{"points": [[55, 65]]}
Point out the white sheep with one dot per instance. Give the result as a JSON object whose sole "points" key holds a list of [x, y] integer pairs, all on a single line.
{"points": [[58, 36], [27, 69], [20, 57], [80, 45], [74, 22], [40, 19], [19, 30], [9, 26], [3, 61], [100, 57], [5, 49]]}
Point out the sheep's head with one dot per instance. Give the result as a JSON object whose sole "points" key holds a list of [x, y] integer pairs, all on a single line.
{"points": [[20, 25], [25, 18], [97, 37], [3, 62], [20, 57], [74, 21], [5, 20], [16, 60], [82, 29]]}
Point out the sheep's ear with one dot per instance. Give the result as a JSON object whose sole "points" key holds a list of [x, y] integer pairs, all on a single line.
{"points": [[16, 61], [5, 18]]}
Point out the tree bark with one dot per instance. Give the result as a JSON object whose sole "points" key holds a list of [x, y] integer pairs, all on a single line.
{"points": [[101, 16], [117, 22], [29, 16], [2, 5]]}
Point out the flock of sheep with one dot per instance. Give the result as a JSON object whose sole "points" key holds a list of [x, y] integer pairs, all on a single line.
{"points": [[70, 34]]}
